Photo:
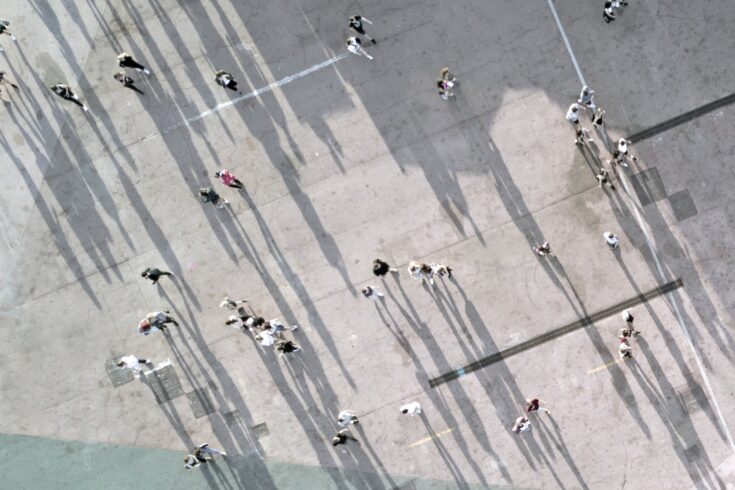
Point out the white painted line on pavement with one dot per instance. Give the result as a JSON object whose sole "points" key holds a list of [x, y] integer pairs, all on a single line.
{"points": [[250, 95], [659, 269], [679, 318], [566, 42]]}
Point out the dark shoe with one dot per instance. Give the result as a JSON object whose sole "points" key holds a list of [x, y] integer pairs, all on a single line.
{"points": [[374, 41]]}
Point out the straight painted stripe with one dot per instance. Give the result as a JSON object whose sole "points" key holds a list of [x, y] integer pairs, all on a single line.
{"points": [[682, 119], [255, 93], [566, 42], [553, 334]]}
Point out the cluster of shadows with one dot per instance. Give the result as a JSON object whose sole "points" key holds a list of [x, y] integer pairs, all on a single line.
{"points": [[80, 191]]}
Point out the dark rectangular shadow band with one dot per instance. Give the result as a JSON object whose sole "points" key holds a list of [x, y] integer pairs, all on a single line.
{"points": [[684, 118], [541, 339]]}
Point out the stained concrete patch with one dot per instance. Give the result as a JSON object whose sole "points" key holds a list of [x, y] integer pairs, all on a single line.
{"points": [[164, 382], [119, 376], [260, 430], [200, 402], [692, 399], [683, 205], [648, 186]]}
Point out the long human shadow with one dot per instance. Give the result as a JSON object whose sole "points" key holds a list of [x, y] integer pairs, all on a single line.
{"points": [[680, 430], [414, 320], [421, 375], [155, 233], [676, 420], [501, 372], [205, 365], [47, 214], [296, 284], [312, 368]]}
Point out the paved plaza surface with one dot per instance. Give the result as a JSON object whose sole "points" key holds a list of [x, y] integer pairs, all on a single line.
{"points": [[344, 160]]}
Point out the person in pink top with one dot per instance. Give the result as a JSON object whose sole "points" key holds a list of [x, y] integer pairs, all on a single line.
{"points": [[228, 179]]}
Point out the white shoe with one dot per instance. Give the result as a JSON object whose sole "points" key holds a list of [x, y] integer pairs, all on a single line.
{"points": [[12, 36], [146, 71]]}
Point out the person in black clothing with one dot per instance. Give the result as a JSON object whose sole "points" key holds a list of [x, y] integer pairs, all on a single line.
{"points": [[65, 93], [127, 61], [381, 268], [154, 274], [342, 436], [356, 24], [207, 194]]}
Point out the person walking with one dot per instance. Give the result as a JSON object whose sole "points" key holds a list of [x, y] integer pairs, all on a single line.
{"points": [[372, 293], [155, 320], [347, 417], [342, 436], [411, 409], [231, 304], [420, 272], [126, 81], [226, 177], [124, 60], [628, 331], [597, 121], [226, 80], [586, 99], [603, 177], [543, 250], [522, 424], [534, 405], [608, 12], [207, 452], [627, 317], [448, 77], [354, 46], [624, 348], [612, 240], [624, 152], [286, 347], [191, 461], [66, 93], [444, 89], [573, 115], [583, 136], [356, 24], [154, 274], [133, 363], [4, 30], [381, 268], [4, 83], [440, 270], [207, 194]]}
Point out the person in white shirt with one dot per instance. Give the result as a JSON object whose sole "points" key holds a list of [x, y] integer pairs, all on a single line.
{"points": [[63, 91], [612, 240], [231, 304], [573, 114], [371, 292], [133, 363], [586, 98], [412, 409], [347, 417], [522, 424], [354, 46]]}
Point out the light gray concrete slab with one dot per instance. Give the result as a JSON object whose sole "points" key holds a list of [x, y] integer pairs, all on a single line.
{"points": [[356, 160]]}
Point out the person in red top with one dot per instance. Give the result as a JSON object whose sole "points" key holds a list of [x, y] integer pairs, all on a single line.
{"points": [[228, 179], [535, 406]]}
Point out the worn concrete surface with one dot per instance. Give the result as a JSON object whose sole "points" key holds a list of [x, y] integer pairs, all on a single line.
{"points": [[353, 161]]}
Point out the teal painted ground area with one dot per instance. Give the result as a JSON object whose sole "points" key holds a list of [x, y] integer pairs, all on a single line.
{"points": [[38, 463]]}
